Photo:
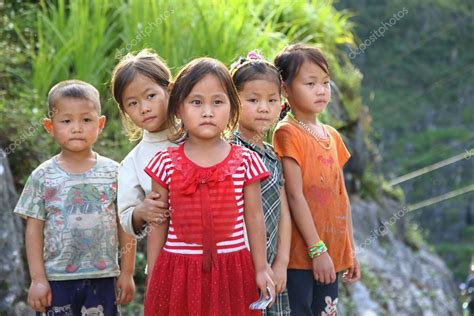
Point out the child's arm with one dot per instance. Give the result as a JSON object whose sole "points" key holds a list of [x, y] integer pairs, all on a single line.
{"points": [[39, 294], [151, 210], [353, 273], [280, 264], [136, 209], [323, 268], [125, 283], [156, 234], [256, 234]]}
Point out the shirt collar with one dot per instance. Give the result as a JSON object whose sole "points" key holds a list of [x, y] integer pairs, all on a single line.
{"points": [[266, 151], [155, 137]]}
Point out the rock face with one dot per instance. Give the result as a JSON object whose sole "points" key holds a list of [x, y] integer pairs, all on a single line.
{"points": [[12, 273], [396, 279]]}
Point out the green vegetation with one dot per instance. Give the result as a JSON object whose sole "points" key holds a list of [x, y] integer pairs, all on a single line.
{"points": [[84, 39], [414, 237], [417, 78], [458, 257]]}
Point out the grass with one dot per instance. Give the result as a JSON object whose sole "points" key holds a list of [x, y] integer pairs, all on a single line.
{"points": [[219, 29], [74, 38], [84, 39]]}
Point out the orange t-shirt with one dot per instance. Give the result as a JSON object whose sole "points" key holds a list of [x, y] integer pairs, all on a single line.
{"points": [[323, 189]]}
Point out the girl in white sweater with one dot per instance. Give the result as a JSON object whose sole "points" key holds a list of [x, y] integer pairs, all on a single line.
{"points": [[140, 88]]}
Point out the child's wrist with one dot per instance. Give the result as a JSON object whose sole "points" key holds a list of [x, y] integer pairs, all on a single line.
{"points": [[127, 271], [137, 212], [317, 249], [39, 279], [263, 269], [138, 221], [279, 261]]}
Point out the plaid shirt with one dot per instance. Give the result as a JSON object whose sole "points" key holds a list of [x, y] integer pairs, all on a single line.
{"points": [[271, 203]]}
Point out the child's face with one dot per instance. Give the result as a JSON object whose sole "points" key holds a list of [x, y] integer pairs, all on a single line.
{"points": [[309, 92], [146, 103], [205, 112], [260, 106], [76, 124]]}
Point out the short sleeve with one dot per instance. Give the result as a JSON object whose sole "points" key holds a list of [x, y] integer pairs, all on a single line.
{"points": [[31, 202], [286, 144], [254, 168], [158, 168], [343, 154]]}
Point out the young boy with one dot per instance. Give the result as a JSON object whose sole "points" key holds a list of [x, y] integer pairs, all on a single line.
{"points": [[71, 218]]}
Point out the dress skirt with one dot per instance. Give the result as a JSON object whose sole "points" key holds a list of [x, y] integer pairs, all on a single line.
{"points": [[180, 286]]}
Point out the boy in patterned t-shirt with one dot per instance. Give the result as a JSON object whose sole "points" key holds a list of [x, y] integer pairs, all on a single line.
{"points": [[72, 235]]}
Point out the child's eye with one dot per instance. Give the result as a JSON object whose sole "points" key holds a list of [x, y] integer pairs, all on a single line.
{"points": [[66, 121], [326, 82], [133, 103], [151, 96], [217, 102], [273, 100], [87, 119], [311, 84], [252, 100], [196, 102]]}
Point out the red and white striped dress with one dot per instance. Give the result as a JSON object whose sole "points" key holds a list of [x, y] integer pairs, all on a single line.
{"points": [[205, 267]]}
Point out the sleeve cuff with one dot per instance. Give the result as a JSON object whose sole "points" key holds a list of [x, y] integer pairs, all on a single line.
{"points": [[155, 178], [260, 177]]}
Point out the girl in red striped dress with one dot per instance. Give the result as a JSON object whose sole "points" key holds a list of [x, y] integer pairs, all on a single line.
{"points": [[203, 265]]}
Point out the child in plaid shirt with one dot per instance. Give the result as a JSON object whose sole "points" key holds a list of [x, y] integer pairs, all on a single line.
{"points": [[258, 84]]}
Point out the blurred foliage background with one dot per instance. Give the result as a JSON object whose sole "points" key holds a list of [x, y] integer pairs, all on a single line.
{"points": [[48, 42], [419, 85]]}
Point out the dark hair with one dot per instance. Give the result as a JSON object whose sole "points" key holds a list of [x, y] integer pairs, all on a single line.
{"points": [[146, 63], [185, 81], [290, 59], [247, 69], [76, 89]]}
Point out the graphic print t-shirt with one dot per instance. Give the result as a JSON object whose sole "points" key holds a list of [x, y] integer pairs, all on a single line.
{"points": [[79, 210]]}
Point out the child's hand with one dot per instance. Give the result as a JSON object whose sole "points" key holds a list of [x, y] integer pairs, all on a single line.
{"points": [[323, 269], [279, 276], [353, 273], [151, 210], [270, 271], [264, 280], [125, 288], [39, 295]]}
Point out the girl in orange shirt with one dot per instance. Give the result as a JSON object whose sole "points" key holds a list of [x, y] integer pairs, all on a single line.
{"points": [[313, 155]]}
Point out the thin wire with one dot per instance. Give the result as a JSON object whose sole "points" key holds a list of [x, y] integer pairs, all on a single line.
{"points": [[437, 165], [440, 198]]}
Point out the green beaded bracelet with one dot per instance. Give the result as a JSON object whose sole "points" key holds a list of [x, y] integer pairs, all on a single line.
{"points": [[317, 249]]}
